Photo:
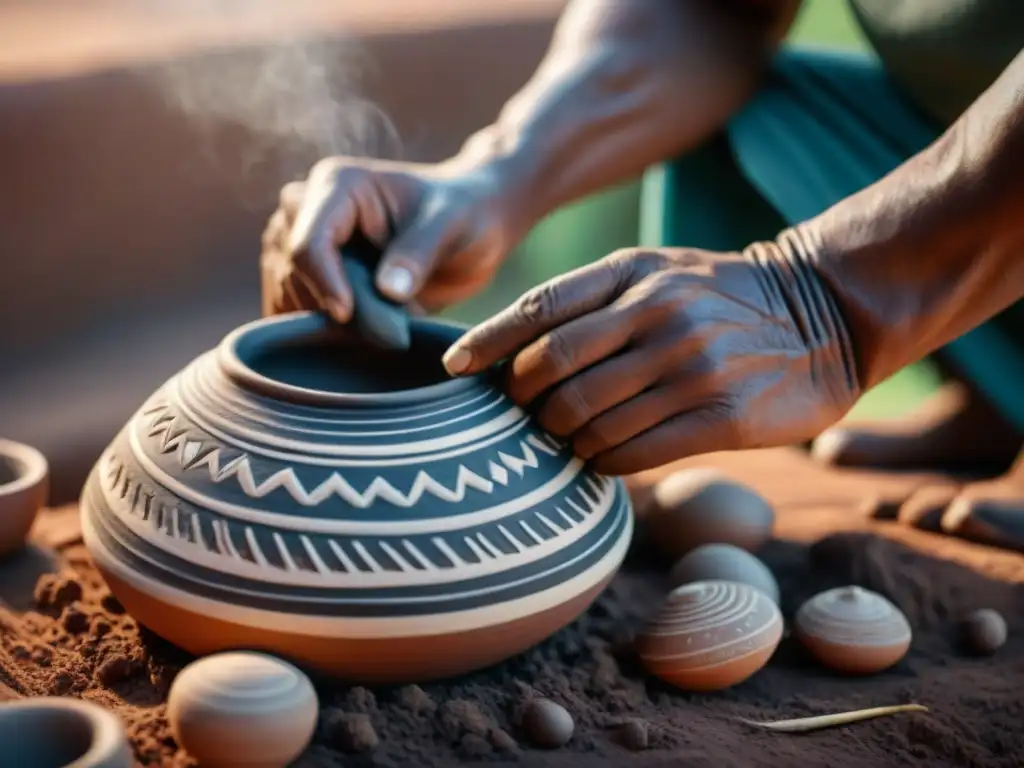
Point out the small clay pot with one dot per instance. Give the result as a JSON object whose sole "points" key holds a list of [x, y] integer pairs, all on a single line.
{"points": [[58, 732], [24, 486]]}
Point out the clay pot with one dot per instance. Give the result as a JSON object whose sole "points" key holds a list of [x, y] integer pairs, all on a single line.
{"points": [[351, 509], [24, 485], [60, 732]]}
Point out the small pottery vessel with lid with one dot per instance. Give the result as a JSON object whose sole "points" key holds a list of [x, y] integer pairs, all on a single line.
{"points": [[24, 485], [57, 732], [349, 508]]}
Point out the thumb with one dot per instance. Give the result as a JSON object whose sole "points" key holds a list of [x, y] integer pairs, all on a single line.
{"points": [[412, 256]]}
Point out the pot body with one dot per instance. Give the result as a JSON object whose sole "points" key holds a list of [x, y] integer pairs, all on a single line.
{"points": [[400, 536]]}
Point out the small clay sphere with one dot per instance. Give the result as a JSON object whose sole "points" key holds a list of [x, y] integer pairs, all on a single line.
{"points": [[547, 724], [724, 562], [710, 635], [703, 506], [242, 709], [633, 735], [984, 631], [853, 630]]}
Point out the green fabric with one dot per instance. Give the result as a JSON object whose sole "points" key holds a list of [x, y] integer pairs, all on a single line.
{"points": [[942, 53], [822, 127]]}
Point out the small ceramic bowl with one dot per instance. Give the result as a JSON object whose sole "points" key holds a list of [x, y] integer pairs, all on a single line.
{"points": [[56, 732], [24, 486]]}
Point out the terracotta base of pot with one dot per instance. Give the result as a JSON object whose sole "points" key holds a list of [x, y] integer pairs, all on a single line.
{"points": [[363, 660]]}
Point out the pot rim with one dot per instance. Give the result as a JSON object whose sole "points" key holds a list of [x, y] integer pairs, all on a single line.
{"points": [[30, 465], [108, 744], [252, 336]]}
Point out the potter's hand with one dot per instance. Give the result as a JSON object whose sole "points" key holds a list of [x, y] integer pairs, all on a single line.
{"points": [[649, 356], [442, 229]]}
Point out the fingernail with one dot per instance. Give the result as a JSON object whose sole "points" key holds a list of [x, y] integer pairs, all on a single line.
{"points": [[457, 360], [337, 310], [396, 282]]}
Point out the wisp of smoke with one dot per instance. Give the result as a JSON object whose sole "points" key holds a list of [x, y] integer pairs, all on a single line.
{"points": [[296, 98]]}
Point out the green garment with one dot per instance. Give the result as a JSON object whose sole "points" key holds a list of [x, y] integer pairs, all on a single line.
{"points": [[822, 127], [942, 54]]}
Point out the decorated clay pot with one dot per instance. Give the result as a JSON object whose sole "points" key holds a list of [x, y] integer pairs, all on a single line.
{"points": [[352, 509]]}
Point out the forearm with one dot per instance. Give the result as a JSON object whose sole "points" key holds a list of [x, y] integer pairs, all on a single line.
{"points": [[935, 248], [625, 84]]}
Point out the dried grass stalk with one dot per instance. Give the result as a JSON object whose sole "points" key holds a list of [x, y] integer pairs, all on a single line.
{"points": [[803, 724]]}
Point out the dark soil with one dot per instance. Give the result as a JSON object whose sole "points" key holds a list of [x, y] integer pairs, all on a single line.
{"points": [[63, 634]]}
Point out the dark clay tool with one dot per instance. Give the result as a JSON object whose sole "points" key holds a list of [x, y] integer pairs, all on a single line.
{"points": [[380, 321]]}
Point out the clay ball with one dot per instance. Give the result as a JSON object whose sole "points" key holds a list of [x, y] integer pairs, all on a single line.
{"points": [[724, 562], [547, 724], [853, 630], [633, 735], [242, 709], [984, 631], [711, 635], [703, 506]]}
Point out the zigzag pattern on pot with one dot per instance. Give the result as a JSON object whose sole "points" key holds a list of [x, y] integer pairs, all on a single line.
{"points": [[174, 437], [302, 552]]}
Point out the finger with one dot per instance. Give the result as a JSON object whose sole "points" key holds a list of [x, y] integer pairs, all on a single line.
{"points": [[290, 199], [693, 433], [413, 254], [324, 222], [582, 398], [568, 350], [556, 302], [645, 411]]}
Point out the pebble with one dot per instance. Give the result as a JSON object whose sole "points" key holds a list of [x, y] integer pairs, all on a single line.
{"points": [[460, 716], [352, 732], [547, 724], [114, 669], [502, 741], [699, 506], [633, 735], [984, 631], [416, 700]]}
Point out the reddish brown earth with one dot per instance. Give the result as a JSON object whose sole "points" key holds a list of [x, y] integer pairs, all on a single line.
{"points": [[61, 633]]}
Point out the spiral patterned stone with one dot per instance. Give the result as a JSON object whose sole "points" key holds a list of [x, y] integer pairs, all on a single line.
{"points": [[242, 709], [710, 635], [853, 630], [276, 496]]}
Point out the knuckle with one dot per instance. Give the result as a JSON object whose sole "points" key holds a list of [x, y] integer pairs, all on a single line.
{"points": [[326, 168], [290, 195], [567, 409], [537, 305], [557, 355], [591, 439], [638, 262]]}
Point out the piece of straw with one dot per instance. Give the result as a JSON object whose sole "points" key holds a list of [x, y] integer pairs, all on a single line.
{"points": [[802, 724]]}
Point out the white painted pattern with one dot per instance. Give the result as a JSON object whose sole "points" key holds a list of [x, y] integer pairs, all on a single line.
{"points": [[175, 439], [119, 494], [254, 440], [313, 625]]}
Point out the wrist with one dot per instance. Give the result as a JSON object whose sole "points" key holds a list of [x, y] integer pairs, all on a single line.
{"points": [[507, 171], [788, 267]]}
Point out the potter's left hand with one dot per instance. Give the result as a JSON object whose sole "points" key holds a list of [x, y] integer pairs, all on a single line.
{"points": [[648, 356]]}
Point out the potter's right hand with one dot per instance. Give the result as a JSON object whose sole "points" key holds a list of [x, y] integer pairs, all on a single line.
{"points": [[444, 230]]}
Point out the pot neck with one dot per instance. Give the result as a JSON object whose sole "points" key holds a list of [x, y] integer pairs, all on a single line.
{"points": [[301, 342]]}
